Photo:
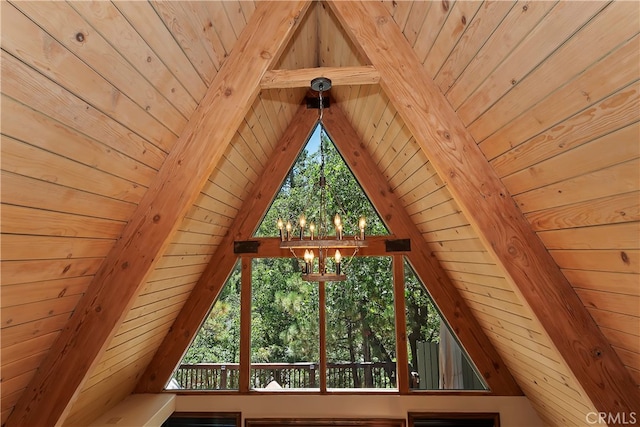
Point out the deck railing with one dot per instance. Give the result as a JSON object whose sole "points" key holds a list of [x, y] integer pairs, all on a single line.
{"points": [[224, 376]]}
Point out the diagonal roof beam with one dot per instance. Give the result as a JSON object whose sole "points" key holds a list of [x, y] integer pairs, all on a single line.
{"points": [[215, 274], [444, 293], [54, 387], [478, 190]]}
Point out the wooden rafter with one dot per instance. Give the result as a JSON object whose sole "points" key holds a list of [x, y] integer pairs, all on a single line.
{"points": [[443, 292], [213, 278], [283, 79], [48, 397], [477, 189]]}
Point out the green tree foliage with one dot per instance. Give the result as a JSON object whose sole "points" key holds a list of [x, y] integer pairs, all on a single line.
{"points": [[218, 340]]}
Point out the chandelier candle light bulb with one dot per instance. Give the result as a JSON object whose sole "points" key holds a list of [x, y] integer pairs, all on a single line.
{"points": [[338, 258], [312, 228], [303, 222], [361, 224], [289, 227], [281, 228]]}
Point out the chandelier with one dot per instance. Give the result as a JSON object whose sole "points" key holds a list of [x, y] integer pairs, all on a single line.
{"points": [[315, 240]]}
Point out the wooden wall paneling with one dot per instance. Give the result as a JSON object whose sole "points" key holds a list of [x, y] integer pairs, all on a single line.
{"points": [[550, 33], [41, 310], [411, 174], [372, 118], [16, 247], [626, 261], [218, 38], [67, 108], [399, 151], [431, 27], [619, 283], [48, 196], [600, 211], [235, 16], [487, 18], [598, 82], [563, 65], [608, 115], [103, 395], [33, 329], [28, 221], [27, 348], [215, 274], [399, 10], [529, 267], [185, 174], [397, 220], [26, 293], [419, 11], [618, 179], [462, 13], [263, 118], [520, 20], [387, 127], [105, 18], [186, 31], [156, 35], [423, 216], [142, 108], [28, 160], [41, 131], [608, 150]]}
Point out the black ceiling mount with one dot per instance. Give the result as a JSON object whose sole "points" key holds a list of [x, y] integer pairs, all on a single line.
{"points": [[321, 84]]}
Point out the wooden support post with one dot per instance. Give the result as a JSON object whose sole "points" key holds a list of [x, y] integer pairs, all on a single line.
{"points": [[322, 321], [402, 356], [245, 326]]}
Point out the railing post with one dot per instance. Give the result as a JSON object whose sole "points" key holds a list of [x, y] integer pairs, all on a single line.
{"points": [[223, 377], [312, 375]]}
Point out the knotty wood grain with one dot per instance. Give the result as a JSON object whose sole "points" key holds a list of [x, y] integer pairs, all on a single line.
{"points": [[213, 278], [478, 190], [179, 181], [440, 287]]}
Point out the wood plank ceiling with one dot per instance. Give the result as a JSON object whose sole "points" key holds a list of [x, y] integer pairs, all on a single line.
{"points": [[96, 96]]}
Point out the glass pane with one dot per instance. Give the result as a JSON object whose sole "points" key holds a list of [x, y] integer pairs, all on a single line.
{"points": [[284, 327], [211, 361], [300, 194], [361, 341], [436, 359]]}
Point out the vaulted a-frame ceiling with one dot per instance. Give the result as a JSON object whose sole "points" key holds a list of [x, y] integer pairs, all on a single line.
{"points": [[137, 143]]}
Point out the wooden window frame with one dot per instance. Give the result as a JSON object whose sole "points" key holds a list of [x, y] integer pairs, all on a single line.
{"points": [[494, 416]]}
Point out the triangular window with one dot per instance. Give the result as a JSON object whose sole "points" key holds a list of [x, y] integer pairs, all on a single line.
{"points": [[298, 193], [436, 359], [212, 360], [348, 328]]}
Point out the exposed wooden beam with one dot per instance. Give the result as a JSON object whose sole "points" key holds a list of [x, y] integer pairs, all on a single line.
{"points": [[244, 380], [443, 292], [50, 393], [215, 274], [285, 79], [478, 191], [269, 247], [402, 353]]}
